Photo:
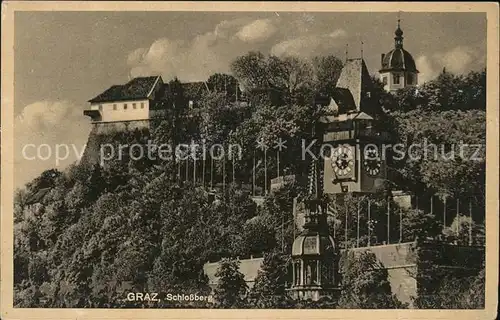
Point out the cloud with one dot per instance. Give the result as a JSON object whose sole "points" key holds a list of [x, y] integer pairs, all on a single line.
{"points": [[211, 52], [426, 69], [195, 59], [48, 123], [257, 30], [458, 60], [308, 45], [339, 33]]}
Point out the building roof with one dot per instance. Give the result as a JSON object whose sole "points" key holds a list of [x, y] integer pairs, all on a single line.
{"points": [[398, 59], [356, 79], [343, 100], [362, 116], [192, 90], [137, 88], [312, 244], [341, 117]]}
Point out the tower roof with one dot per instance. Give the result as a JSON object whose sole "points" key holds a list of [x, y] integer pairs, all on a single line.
{"points": [[313, 243], [398, 59], [353, 87], [399, 32]]}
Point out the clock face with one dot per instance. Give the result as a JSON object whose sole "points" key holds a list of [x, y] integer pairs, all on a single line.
{"points": [[372, 162], [343, 161]]}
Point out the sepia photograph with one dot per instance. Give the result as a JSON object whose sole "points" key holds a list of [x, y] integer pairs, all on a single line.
{"points": [[214, 157]]}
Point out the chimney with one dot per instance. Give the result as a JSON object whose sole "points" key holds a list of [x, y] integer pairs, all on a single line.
{"points": [[382, 56]]}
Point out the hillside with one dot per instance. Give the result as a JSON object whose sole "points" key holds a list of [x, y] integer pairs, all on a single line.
{"points": [[80, 234]]}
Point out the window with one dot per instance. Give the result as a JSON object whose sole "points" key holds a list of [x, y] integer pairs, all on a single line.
{"points": [[190, 103], [384, 80], [124, 106], [142, 105], [396, 79], [134, 105], [114, 106], [311, 273], [297, 273]]}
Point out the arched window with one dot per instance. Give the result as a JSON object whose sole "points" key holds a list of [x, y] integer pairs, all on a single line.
{"points": [[327, 272], [314, 272], [297, 273], [311, 273]]}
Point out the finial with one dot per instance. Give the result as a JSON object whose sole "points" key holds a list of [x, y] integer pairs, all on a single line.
{"points": [[361, 49], [399, 34], [346, 51]]}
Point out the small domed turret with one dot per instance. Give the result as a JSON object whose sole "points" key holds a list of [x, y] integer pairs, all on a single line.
{"points": [[398, 68]]}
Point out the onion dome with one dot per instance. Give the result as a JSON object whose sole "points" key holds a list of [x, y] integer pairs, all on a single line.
{"points": [[399, 32], [313, 244]]}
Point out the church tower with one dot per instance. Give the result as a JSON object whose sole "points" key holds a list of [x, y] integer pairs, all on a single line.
{"points": [[398, 69]]}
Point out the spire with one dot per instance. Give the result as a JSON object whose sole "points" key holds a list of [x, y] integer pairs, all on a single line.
{"points": [[398, 39], [315, 220], [313, 180], [313, 215]]}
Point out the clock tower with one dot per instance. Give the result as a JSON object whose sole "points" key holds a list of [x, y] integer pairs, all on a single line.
{"points": [[355, 161]]}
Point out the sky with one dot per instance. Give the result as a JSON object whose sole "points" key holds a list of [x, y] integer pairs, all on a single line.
{"points": [[63, 59]]}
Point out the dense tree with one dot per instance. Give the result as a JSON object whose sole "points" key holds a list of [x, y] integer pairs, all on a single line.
{"points": [[231, 287], [251, 70], [418, 224], [463, 229], [447, 153], [327, 71], [286, 80], [225, 84], [257, 236], [365, 283], [271, 282], [84, 233], [454, 292]]}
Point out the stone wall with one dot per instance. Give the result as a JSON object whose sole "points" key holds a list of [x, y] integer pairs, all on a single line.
{"points": [[400, 260], [92, 151], [249, 268]]}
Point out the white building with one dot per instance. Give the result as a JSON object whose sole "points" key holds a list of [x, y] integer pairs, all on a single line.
{"points": [[129, 102]]}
